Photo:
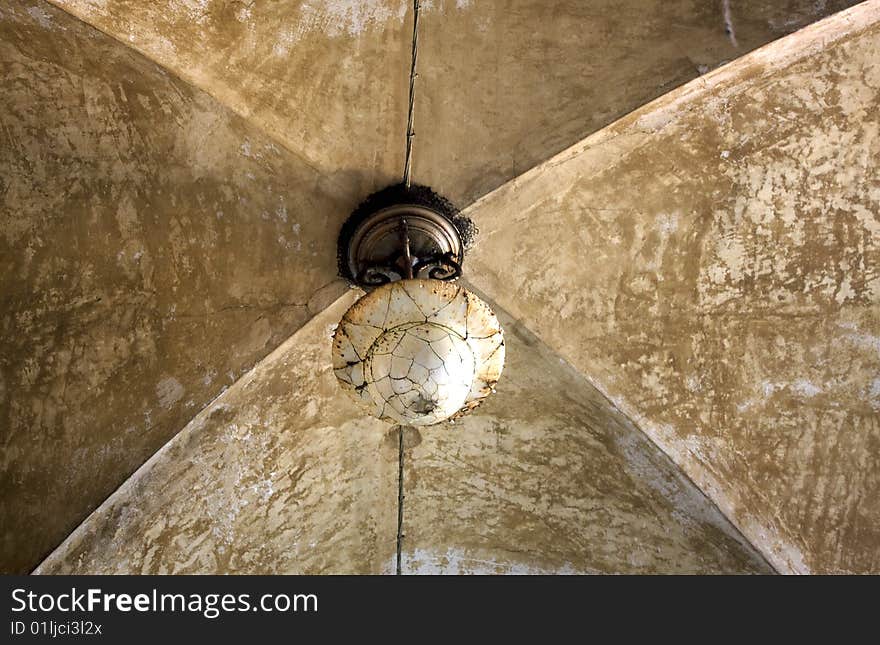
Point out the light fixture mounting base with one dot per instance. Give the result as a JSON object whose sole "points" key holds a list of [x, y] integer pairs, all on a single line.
{"points": [[403, 233]]}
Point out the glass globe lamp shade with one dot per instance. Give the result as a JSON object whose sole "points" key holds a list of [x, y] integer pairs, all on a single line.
{"points": [[418, 352]]}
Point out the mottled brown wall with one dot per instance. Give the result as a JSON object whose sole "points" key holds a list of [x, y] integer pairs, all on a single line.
{"points": [[153, 246], [503, 85], [283, 473], [547, 476], [712, 262], [326, 78]]}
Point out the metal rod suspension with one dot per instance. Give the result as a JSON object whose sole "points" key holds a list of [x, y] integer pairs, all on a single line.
{"points": [[407, 168]]}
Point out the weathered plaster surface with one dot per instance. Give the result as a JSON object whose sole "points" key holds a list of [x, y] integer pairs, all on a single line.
{"points": [[153, 246], [284, 474], [326, 78], [548, 477], [280, 474], [502, 86], [712, 263]]}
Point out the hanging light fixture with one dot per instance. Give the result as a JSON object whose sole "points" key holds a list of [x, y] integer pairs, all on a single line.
{"points": [[417, 349]]}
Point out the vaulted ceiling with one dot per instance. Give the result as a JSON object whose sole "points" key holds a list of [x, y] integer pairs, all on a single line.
{"points": [[682, 239]]}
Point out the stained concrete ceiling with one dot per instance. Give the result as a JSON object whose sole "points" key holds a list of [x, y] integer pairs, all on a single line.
{"points": [[173, 178], [283, 473]]}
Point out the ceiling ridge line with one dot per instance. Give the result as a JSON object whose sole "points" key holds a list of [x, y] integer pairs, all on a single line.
{"points": [[132, 480], [191, 82], [637, 423], [776, 55]]}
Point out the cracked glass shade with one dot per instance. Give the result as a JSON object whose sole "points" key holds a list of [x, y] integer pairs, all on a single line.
{"points": [[418, 352]]}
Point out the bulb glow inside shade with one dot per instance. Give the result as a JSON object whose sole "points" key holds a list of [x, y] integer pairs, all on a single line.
{"points": [[418, 352]]}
